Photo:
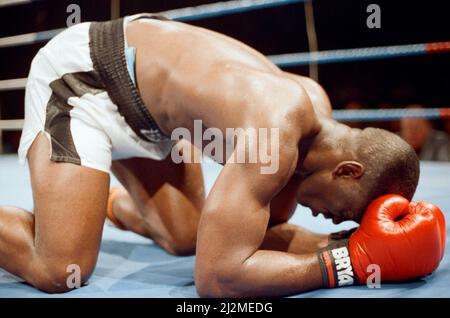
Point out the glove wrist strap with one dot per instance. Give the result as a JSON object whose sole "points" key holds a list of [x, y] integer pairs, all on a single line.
{"points": [[336, 266]]}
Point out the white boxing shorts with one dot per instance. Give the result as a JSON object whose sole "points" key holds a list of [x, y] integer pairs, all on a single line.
{"points": [[80, 94]]}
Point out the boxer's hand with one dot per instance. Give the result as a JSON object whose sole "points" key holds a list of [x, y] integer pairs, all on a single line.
{"points": [[341, 235], [406, 240]]}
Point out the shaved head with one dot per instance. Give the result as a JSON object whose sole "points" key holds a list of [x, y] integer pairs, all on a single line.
{"points": [[392, 165]]}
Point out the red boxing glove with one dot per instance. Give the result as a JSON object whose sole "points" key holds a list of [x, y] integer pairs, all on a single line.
{"points": [[407, 240]]}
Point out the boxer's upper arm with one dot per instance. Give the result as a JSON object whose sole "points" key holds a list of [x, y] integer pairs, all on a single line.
{"points": [[317, 94], [235, 217], [283, 205]]}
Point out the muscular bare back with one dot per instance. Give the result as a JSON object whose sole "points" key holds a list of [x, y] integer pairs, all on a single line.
{"points": [[186, 73]]}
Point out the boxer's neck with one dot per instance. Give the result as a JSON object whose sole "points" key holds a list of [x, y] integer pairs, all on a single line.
{"points": [[333, 143]]}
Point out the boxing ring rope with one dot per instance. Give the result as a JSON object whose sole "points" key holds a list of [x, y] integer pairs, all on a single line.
{"points": [[182, 14], [360, 54], [364, 115], [373, 115], [11, 124], [29, 38], [13, 84], [9, 3], [223, 8], [322, 57]]}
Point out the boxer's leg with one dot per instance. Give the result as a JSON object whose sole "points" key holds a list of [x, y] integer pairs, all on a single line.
{"points": [[162, 201], [66, 228]]}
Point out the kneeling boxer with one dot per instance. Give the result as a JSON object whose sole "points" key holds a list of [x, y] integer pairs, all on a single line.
{"points": [[107, 96]]}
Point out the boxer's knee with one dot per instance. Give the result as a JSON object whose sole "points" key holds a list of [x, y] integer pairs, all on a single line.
{"points": [[60, 276], [181, 243], [178, 235]]}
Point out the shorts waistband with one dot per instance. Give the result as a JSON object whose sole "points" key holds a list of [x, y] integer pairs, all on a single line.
{"points": [[107, 50]]}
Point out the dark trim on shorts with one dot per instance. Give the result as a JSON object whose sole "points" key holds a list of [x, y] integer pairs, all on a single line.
{"points": [[57, 121], [107, 50]]}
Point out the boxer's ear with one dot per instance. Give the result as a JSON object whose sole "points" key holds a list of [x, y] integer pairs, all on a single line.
{"points": [[348, 169]]}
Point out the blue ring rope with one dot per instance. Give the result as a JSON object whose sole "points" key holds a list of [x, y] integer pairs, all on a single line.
{"points": [[223, 8], [373, 115], [348, 55]]}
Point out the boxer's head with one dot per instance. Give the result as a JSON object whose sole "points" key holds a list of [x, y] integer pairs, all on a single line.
{"points": [[347, 168]]}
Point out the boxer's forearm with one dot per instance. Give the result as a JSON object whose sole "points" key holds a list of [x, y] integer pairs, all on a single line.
{"points": [[294, 239], [273, 273]]}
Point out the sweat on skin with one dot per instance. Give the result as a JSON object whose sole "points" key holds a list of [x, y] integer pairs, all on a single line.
{"points": [[237, 142]]}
